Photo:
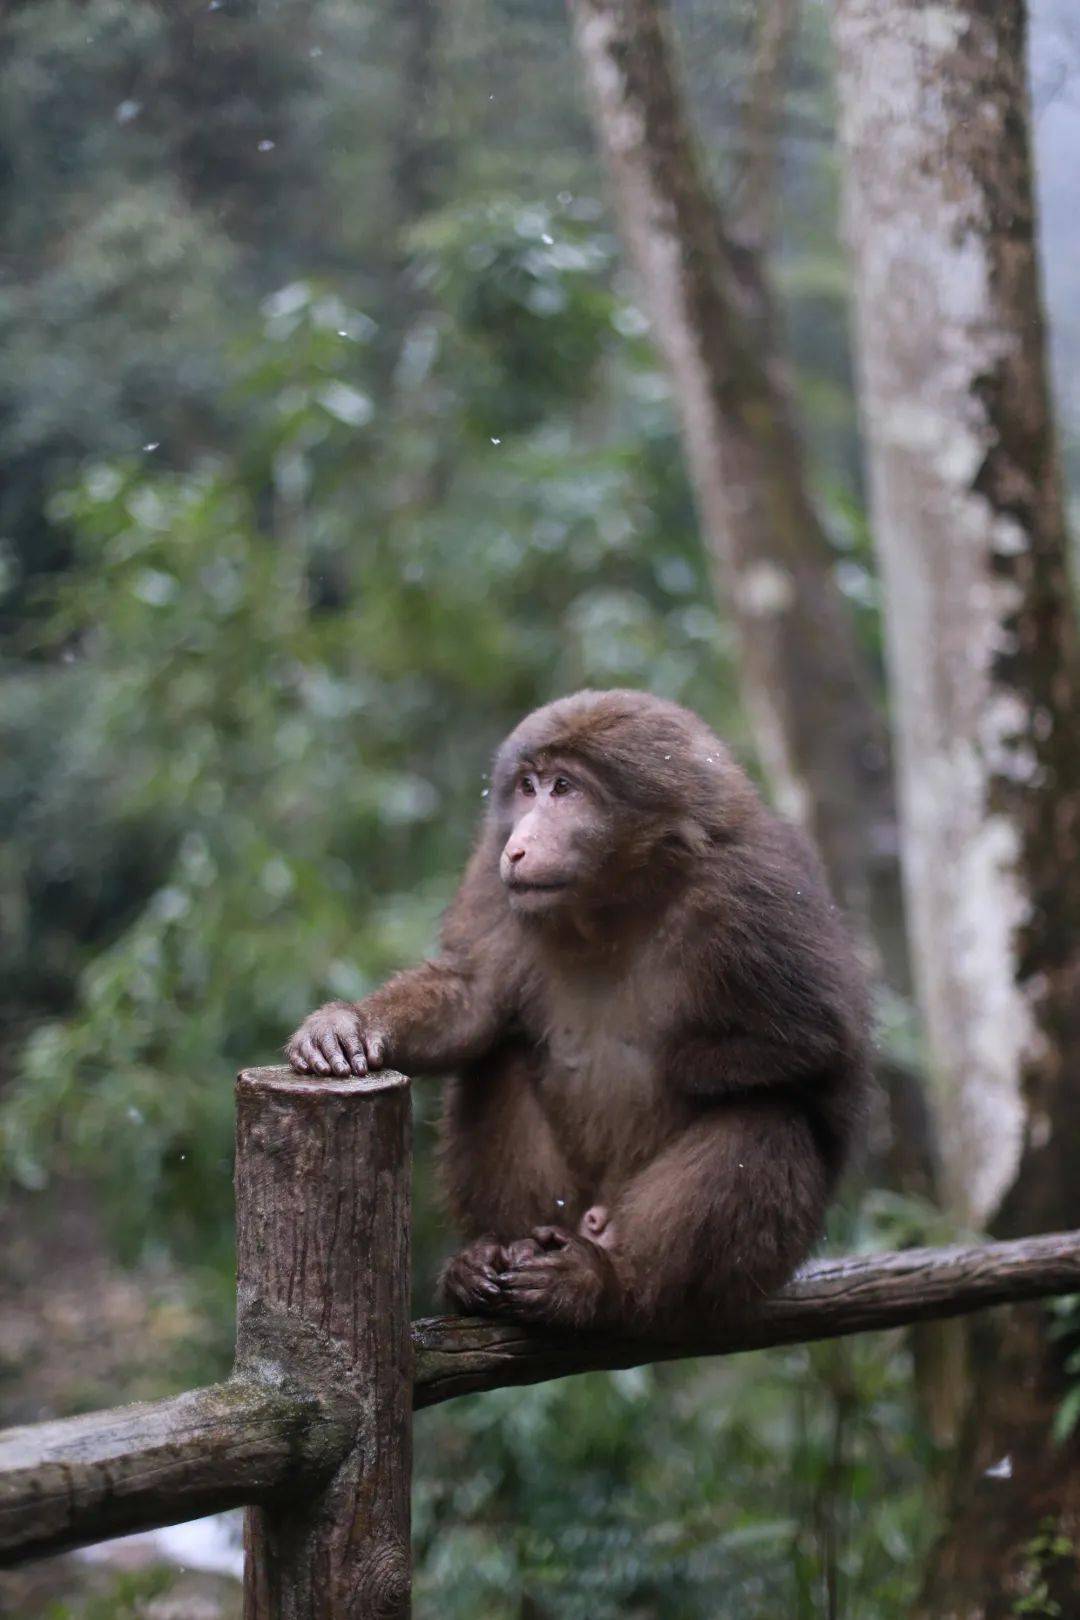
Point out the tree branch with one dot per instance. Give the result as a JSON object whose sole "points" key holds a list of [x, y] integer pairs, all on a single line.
{"points": [[829, 1300]]}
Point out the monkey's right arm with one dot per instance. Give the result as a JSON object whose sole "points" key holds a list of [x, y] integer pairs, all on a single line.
{"points": [[434, 1018], [430, 1019]]}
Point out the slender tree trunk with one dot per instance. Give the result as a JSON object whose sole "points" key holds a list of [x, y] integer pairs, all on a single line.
{"points": [[984, 660], [759, 183], [806, 687]]}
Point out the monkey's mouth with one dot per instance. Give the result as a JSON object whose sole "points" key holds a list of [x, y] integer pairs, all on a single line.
{"points": [[537, 888]]}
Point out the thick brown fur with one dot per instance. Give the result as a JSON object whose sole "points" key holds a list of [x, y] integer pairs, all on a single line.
{"points": [[672, 1053]]}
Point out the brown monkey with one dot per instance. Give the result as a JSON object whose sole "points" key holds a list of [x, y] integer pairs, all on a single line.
{"points": [[656, 1021]]}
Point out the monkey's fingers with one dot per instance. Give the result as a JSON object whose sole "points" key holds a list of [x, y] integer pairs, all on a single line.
{"points": [[329, 1043], [310, 1056], [470, 1279], [552, 1237], [356, 1057], [293, 1058], [375, 1044], [533, 1293], [527, 1270], [527, 1304]]}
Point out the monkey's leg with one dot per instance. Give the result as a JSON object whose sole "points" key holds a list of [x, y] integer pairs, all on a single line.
{"points": [[722, 1217], [717, 1221], [502, 1171]]}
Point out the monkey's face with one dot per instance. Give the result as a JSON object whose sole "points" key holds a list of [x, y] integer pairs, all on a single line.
{"points": [[559, 837]]}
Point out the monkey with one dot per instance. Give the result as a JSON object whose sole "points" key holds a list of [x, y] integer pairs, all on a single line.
{"points": [[655, 1024]]}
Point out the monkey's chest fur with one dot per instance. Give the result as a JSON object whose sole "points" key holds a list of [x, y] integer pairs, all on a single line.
{"points": [[562, 1116], [598, 1082]]}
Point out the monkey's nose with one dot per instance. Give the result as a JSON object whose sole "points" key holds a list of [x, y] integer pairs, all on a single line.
{"points": [[514, 855]]}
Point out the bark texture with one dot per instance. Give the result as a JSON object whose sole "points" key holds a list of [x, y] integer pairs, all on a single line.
{"points": [[807, 689], [828, 1300], [84, 1479], [323, 1171], [983, 655], [759, 183]]}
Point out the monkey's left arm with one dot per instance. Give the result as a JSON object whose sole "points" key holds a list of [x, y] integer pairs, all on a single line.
{"points": [[713, 1065], [774, 999]]}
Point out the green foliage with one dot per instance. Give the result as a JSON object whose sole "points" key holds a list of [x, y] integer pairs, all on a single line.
{"points": [[126, 1598], [299, 760], [1046, 1549], [524, 288], [688, 1491], [328, 454], [1064, 1333]]}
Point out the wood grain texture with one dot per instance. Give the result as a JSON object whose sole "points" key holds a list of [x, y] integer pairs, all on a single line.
{"points": [[323, 1172]]}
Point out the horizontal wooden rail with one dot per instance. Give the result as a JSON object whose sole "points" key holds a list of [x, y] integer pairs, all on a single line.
{"points": [[86, 1478], [828, 1300]]}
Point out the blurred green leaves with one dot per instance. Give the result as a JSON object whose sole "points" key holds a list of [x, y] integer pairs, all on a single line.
{"points": [[317, 478]]}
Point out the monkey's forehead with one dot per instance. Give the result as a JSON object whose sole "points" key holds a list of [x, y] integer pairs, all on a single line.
{"points": [[623, 727], [588, 716]]}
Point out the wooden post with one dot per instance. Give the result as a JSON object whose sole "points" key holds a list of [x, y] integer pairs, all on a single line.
{"points": [[323, 1172]]}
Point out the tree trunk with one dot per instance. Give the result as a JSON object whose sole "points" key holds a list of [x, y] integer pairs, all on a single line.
{"points": [[983, 654], [759, 181], [806, 686]]}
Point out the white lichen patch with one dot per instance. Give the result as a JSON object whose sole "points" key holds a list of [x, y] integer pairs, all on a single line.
{"points": [[1009, 538], [934, 323], [999, 1034], [943, 27], [765, 590], [1005, 733]]}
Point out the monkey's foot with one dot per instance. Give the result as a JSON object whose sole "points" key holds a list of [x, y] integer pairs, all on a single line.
{"points": [[557, 1278], [469, 1280]]}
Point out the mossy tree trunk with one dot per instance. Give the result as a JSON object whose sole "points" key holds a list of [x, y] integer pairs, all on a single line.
{"points": [[985, 671]]}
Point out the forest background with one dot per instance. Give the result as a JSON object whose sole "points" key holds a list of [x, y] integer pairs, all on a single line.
{"points": [[333, 439]]}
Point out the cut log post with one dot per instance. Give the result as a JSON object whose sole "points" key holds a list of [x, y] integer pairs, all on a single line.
{"points": [[323, 1172]]}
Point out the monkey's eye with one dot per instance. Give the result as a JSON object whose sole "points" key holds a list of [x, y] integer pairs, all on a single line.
{"points": [[561, 785], [527, 786]]}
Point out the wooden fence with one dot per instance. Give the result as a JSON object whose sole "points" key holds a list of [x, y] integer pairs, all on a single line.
{"points": [[312, 1430]]}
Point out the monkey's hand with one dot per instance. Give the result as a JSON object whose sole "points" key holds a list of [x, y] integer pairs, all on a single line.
{"points": [[558, 1278], [469, 1280], [338, 1039]]}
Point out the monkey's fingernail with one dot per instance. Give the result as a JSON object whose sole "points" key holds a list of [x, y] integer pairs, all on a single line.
{"points": [[359, 1066]]}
